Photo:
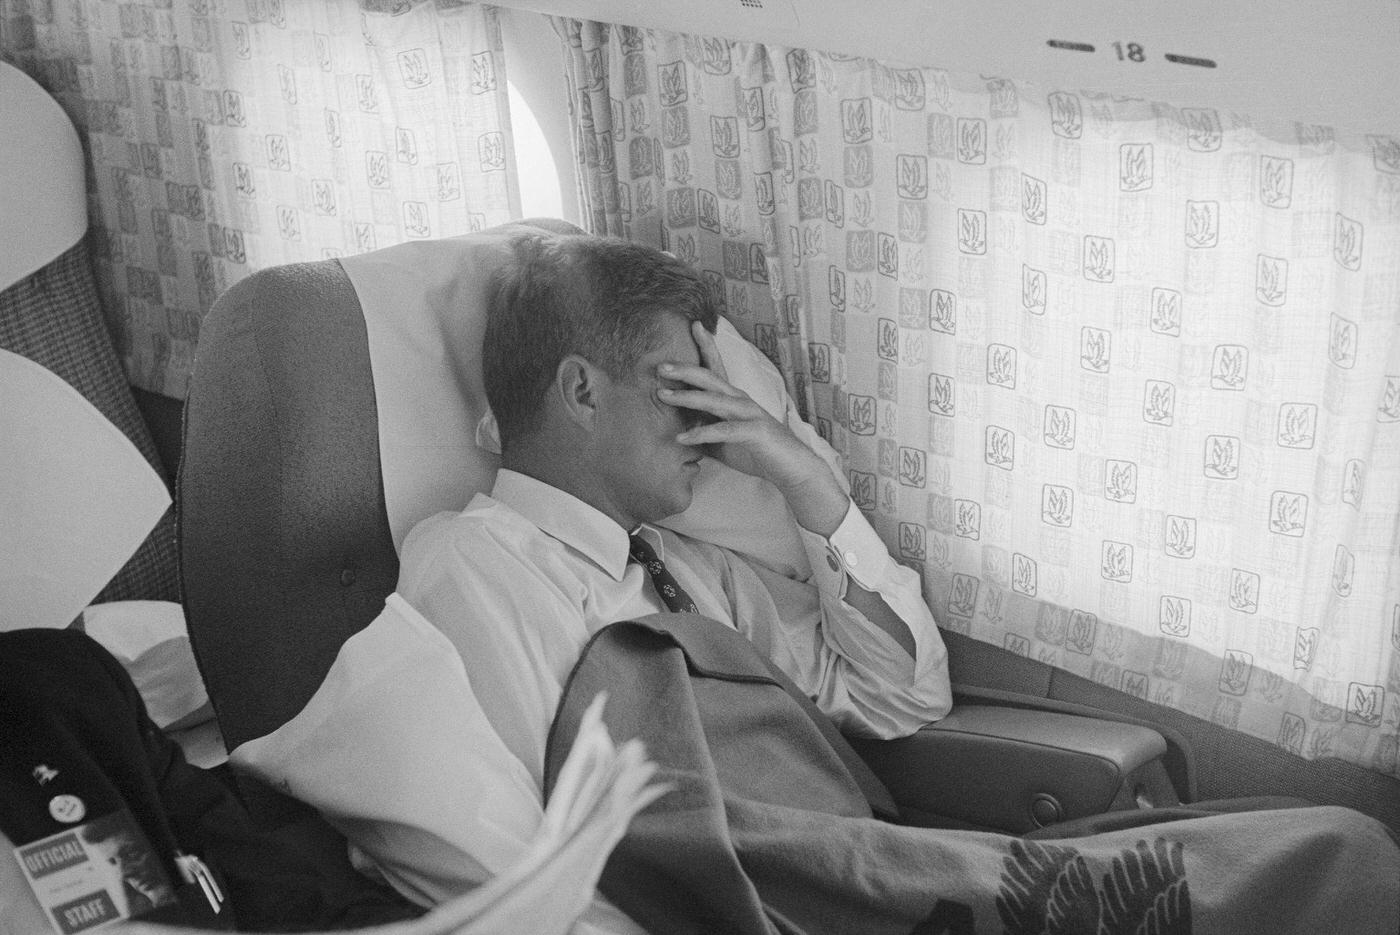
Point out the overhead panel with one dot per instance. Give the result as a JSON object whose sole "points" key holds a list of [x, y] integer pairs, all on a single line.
{"points": [[1335, 63]]}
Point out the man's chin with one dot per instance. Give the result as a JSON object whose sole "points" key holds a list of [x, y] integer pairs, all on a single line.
{"points": [[682, 501]]}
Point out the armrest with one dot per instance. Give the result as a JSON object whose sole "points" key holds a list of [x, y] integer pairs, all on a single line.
{"points": [[998, 768], [1179, 761]]}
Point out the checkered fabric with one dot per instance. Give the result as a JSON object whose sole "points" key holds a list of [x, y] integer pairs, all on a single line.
{"points": [[54, 318]]}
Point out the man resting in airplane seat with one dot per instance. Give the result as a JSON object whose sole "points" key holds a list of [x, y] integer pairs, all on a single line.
{"points": [[604, 378]]}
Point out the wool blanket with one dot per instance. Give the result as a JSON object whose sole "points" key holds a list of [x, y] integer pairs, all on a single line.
{"points": [[774, 827]]}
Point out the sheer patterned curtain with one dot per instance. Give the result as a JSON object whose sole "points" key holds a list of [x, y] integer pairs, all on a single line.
{"points": [[226, 137], [1121, 379]]}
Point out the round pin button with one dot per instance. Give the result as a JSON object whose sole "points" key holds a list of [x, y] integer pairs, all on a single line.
{"points": [[67, 808]]}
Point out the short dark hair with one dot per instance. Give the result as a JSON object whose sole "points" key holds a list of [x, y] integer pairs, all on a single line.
{"points": [[602, 298]]}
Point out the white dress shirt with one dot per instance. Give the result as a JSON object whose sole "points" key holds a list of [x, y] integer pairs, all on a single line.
{"points": [[430, 761], [520, 579]]}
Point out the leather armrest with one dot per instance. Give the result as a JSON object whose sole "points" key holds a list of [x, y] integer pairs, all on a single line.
{"points": [[1013, 770]]}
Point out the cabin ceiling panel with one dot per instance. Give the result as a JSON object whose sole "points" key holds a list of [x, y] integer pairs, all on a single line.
{"points": [[1326, 63]]}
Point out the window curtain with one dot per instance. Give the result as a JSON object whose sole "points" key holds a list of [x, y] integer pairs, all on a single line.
{"points": [[227, 137], [1121, 380]]}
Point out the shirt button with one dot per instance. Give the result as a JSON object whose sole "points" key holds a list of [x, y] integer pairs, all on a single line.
{"points": [[851, 559]]}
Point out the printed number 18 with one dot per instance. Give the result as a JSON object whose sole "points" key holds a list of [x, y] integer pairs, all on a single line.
{"points": [[1130, 52]]}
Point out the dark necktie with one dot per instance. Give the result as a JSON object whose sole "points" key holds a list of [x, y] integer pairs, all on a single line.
{"points": [[672, 594]]}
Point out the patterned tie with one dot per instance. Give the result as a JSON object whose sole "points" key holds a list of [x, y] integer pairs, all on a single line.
{"points": [[672, 594]]}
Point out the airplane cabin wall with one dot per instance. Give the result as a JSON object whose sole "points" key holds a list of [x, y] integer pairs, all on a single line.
{"points": [[1297, 60]]}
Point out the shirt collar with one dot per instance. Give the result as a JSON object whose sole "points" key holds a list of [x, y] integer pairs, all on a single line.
{"points": [[567, 518]]}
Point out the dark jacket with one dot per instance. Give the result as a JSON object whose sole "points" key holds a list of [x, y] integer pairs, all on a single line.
{"points": [[73, 724]]}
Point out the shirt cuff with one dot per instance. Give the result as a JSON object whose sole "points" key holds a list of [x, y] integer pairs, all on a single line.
{"points": [[854, 552]]}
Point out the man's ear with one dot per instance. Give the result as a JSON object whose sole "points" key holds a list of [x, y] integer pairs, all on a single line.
{"points": [[579, 384]]}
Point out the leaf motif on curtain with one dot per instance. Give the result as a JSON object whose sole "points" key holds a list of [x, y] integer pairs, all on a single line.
{"points": [[1288, 513], [1166, 312], [1385, 153], [1342, 342], [944, 317], [1202, 224], [1135, 167], [912, 541], [909, 91], [1291, 734], [1000, 447], [1236, 672], [802, 70], [1244, 591], [1365, 704], [1033, 290], [1229, 367], [1180, 536], [1066, 117], [972, 141], [1081, 632], [912, 176], [941, 140], [1159, 402], [863, 213], [888, 264], [1005, 98], [1175, 616], [1297, 425], [1098, 258], [972, 231], [1203, 133], [1117, 561], [1353, 482], [1023, 574], [1271, 282], [1057, 505], [1343, 570], [1389, 409], [715, 57], [1001, 366], [1035, 211], [1094, 349], [1346, 244], [940, 394], [962, 596], [968, 519], [1276, 181], [1059, 427], [367, 95]]}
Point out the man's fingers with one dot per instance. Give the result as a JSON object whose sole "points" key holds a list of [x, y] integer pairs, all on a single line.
{"points": [[720, 433], [700, 377], [714, 402], [709, 350]]}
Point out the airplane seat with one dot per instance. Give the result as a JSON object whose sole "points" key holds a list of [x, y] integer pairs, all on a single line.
{"points": [[50, 308], [291, 502]]}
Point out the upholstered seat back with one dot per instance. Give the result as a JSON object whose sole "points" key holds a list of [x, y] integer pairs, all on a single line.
{"points": [[283, 539]]}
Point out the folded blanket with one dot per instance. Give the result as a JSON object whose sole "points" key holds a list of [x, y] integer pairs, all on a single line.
{"points": [[769, 829]]}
